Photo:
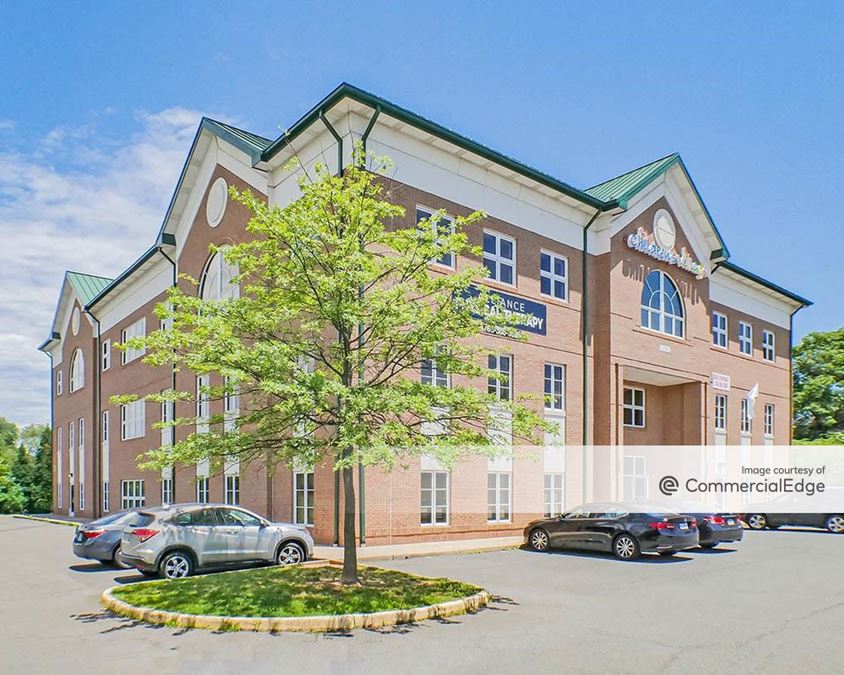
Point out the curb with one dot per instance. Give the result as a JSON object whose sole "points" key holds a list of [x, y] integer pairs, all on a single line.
{"points": [[300, 624], [53, 521]]}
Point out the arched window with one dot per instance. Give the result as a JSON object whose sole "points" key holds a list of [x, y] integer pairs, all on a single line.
{"points": [[217, 279], [662, 306], [77, 371]]}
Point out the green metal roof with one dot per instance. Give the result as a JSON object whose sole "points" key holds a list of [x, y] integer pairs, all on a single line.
{"points": [[628, 184], [87, 286], [253, 144]]}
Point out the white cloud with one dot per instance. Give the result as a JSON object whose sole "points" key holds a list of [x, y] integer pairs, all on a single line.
{"points": [[7, 124], [81, 200]]}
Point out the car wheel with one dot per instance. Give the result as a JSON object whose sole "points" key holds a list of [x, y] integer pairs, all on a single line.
{"points": [[625, 547], [290, 553], [539, 540], [117, 559], [835, 524], [176, 565], [711, 544], [756, 521]]}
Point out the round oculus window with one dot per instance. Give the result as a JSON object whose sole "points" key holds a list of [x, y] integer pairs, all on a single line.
{"points": [[74, 321], [215, 205], [665, 232]]}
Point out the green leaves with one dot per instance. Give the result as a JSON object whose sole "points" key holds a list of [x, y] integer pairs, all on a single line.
{"points": [[818, 366], [339, 308]]}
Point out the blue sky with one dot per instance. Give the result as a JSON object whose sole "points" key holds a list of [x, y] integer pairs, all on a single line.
{"points": [[100, 102]]}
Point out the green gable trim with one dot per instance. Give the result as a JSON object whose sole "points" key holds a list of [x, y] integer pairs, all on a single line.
{"points": [[87, 286], [403, 115], [252, 144], [727, 265]]}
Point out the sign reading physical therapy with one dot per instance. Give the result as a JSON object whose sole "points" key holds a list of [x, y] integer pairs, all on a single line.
{"points": [[530, 316], [647, 243]]}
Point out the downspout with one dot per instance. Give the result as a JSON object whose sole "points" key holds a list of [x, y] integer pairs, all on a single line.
{"points": [[98, 459], [583, 341], [52, 429], [361, 470], [337, 138], [172, 262]]}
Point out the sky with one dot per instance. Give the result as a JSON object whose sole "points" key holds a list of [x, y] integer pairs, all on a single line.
{"points": [[100, 102]]}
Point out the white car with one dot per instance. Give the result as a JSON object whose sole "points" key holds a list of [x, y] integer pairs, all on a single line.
{"points": [[177, 540]]}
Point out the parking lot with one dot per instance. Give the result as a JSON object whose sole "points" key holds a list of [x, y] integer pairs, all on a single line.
{"points": [[773, 603]]}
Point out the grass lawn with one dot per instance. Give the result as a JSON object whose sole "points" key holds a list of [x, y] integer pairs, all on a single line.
{"points": [[293, 591]]}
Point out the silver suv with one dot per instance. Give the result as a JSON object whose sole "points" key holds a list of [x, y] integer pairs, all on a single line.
{"points": [[174, 541]]}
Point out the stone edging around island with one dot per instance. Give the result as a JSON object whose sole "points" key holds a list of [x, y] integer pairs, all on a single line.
{"points": [[42, 519], [312, 624]]}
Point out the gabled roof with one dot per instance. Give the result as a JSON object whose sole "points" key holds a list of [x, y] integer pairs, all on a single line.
{"points": [[622, 187], [87, 286], [770, 285], [252, 144]]}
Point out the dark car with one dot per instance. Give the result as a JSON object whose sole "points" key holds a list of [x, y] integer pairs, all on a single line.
{"points": [[716, 528], [834, 522], [100, 539], [614, 528], [784, 511]]}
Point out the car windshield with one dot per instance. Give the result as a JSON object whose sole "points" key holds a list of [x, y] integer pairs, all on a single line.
{"points": [[139, 519]]}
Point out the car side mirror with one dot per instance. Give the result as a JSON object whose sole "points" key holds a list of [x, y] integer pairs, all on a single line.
{"points": [[264, 524]]}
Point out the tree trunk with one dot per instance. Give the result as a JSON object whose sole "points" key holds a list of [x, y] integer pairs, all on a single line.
{"points": [[350, 553]]}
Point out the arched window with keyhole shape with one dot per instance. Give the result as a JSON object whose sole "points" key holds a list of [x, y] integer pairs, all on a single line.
{"points": [[216, 283]]}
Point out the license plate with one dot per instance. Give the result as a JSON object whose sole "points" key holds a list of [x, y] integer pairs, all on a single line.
{"points": [[731, 521], [684, 526]]}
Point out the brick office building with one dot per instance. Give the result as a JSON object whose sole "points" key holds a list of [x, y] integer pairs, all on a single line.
{"points": [[682, 345]]}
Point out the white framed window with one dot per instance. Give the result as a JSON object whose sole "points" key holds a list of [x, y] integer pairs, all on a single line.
{"points": [[555, 386], [136, 329], [59, 383], [232, 493], [81, 495], [553, 493], [434, 501], [432, 374], [132, 420], [202, 489], [167, 488], [303, 497], [635, 478], [745, 338], [231, 398], [105, 355], [81, 442], [662, 306], [444, 226], [106, 500], [498, 497], [105, 427], [768, 346], [500, 257], [554, 275], [77, 371], [71, 441], [132, 494], [719, 329], [720, 412], [769, 419], [203, 404], [634, 407], [81, 432], [501, 385], [746, 422], [167, 429]]}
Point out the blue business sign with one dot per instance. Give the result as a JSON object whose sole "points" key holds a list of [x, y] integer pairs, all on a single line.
{"points": [[531, 316]]}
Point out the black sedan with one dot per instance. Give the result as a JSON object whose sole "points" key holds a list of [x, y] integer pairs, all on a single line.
{"points": [[100, 539], [614, 528], [715, 528]]}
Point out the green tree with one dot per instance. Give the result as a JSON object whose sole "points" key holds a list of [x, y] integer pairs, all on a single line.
{"points": [[21, 472], [12, 499], [8, 438], [41, 492], [338, 311], [818, 366]]}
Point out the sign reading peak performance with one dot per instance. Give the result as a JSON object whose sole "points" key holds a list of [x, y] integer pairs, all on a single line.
{"points": [[646, 243], [529, 316]]}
